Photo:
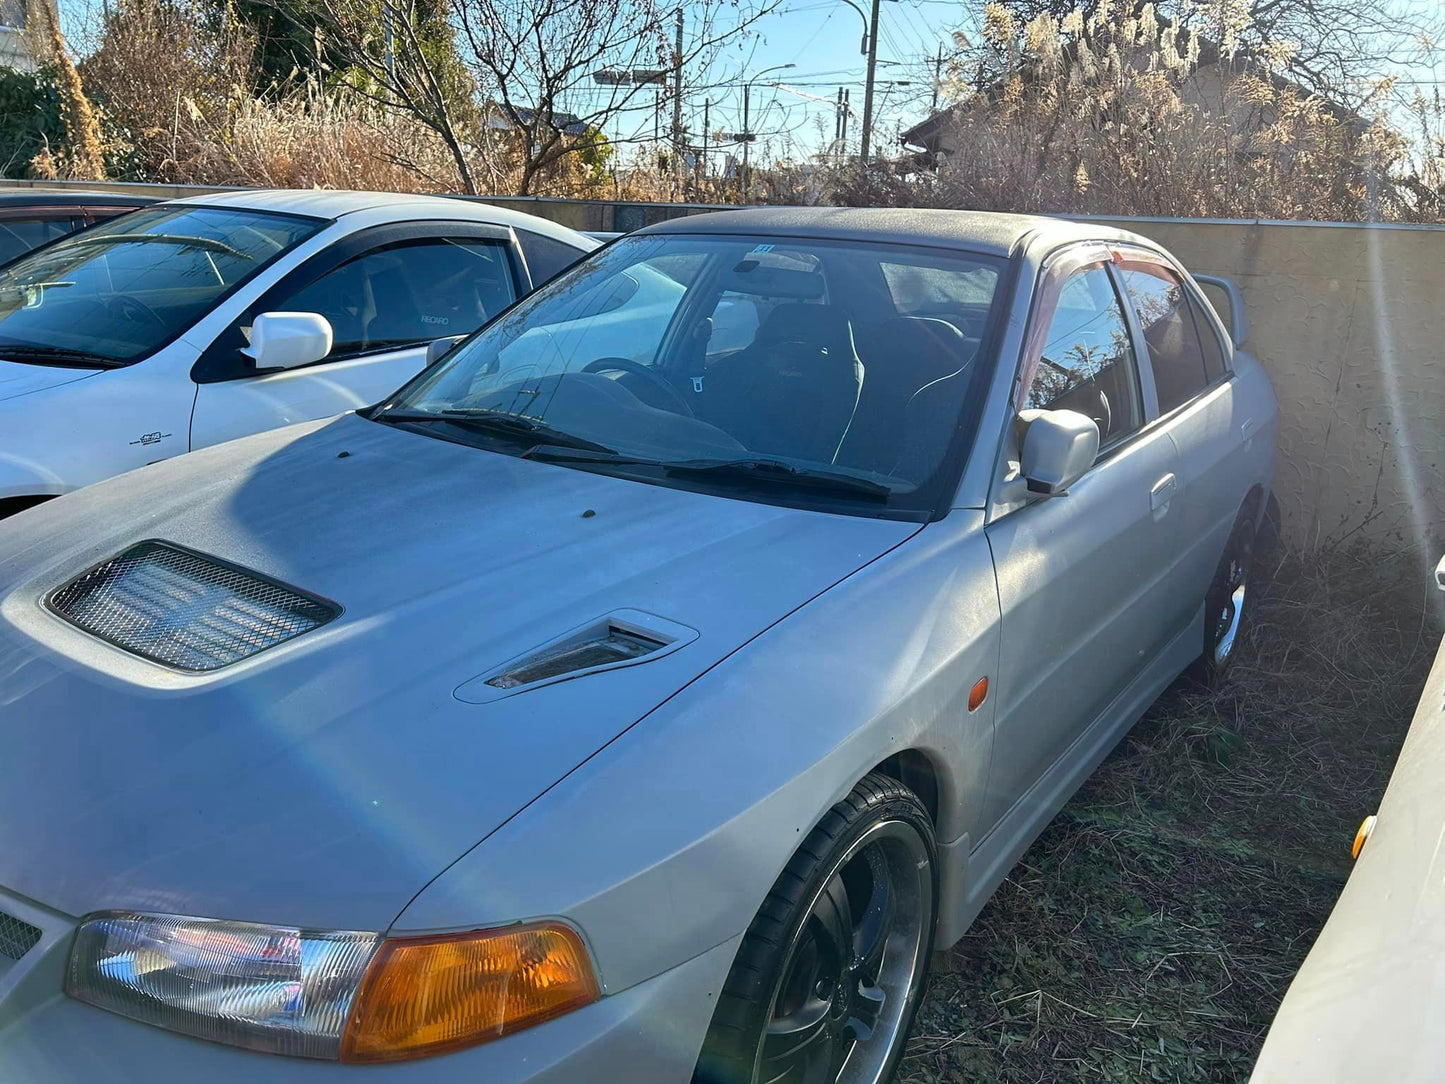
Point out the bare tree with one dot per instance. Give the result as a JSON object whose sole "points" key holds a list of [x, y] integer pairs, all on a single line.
{"points": [[400, 53], [524, 72], [82, 128]]}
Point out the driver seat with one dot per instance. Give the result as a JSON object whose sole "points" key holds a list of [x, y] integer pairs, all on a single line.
{"points": [[793, 392]]}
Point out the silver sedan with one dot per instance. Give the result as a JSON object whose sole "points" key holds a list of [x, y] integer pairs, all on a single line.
{"points": [[638, 694]]}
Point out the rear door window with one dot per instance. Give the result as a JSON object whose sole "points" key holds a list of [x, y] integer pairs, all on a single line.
{"points": [[19, 235], [1175, 353], [1214, 366], [546, 258]]}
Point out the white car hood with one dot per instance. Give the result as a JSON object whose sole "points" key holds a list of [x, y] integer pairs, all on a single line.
{"points": [[18, 378], [326, 782]]}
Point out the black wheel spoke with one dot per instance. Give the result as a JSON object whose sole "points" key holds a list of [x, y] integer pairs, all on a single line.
{"points": [[870, 937], [867, 1007], [795, 1042], [835, 914]]}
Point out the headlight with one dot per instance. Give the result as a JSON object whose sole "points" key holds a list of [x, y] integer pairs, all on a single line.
{"points": [[326, 994]]}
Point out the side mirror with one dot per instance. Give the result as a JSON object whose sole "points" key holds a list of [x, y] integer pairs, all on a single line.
{"points": [[1440, 574], [1059, 446], [439, 348], [284, 340]]}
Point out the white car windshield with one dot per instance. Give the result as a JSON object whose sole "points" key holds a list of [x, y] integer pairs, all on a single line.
{"points": [[839, 367], [117, 292]]}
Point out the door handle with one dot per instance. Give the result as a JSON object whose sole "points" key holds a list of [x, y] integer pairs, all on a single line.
{"points": [[1246, 428], [1163, 493]]}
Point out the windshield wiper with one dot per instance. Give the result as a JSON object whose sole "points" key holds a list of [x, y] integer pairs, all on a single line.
{"points": [[776, 472], [497, 423], [183, 240], [57, 355], [744, 471]]}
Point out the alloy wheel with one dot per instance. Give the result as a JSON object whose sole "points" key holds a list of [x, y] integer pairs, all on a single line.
{"points": [[854, 967]]}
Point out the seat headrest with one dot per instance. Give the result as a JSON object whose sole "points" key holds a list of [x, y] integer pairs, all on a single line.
{"points": [[822, 325], [917, 350]]}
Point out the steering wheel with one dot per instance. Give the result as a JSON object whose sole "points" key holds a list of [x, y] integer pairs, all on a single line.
{"points": [[128, 307], [626, 365]]}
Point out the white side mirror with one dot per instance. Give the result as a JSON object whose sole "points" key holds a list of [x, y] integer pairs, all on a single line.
{"points": [[438, 348], [284, 340], [1440, 574], [1059, 446]]}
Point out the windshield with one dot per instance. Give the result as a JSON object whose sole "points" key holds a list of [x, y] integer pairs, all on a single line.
{"points": [[118, 291], [735, 361]]}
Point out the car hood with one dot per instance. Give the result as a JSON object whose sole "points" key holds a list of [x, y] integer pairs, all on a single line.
{"points": [[18, 378], [325, 782]]}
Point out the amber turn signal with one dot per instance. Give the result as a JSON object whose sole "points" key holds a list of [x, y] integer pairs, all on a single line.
{"points": [[1366, 827], [978, 693], [430, 995]]}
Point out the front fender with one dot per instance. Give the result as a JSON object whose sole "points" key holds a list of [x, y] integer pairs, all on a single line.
{"points": [[665, 843]]}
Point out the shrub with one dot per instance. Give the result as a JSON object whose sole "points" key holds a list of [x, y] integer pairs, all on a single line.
{"points": [[29, 118]]}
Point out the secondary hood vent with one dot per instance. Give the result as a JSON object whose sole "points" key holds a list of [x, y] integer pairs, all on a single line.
{"points": [[622, 638], [185, 609]]}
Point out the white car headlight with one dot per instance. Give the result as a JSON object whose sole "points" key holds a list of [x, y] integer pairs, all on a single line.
{"points": [[285, 991], [327, 994]]}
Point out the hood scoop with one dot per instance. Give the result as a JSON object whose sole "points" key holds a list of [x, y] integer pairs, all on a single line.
{"points": [[186, 610], [622, 638]]}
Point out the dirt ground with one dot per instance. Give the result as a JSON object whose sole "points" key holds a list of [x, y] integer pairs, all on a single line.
{"points": [[1150, 933]]}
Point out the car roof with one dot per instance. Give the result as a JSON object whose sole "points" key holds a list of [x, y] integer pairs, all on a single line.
{"points": [[404, 206], [980, 231], [52, 197]]}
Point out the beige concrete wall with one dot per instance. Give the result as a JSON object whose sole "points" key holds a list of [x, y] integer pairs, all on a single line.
{"points": [[1350, 323]]}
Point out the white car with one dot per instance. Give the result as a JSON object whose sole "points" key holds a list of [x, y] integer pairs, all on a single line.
{"points": [[200, 320]]}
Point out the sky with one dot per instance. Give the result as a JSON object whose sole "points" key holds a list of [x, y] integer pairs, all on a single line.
{"points": [[793, 110]]}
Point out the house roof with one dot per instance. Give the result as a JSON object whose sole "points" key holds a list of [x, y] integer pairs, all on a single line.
{"points": [[569, 123]]}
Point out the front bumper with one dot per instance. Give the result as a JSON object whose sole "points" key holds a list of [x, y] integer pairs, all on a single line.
{"points": [[648, 1034]]}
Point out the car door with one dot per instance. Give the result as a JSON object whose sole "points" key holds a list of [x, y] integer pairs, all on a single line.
{"points": [[1082, 577], [1188, 356], [387, 293]]}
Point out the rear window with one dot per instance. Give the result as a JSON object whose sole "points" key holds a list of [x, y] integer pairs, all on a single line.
{"points": [[920, 289]]}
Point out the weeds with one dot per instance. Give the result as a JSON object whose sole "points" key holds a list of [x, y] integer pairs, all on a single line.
{"points": [[1151, 931]]}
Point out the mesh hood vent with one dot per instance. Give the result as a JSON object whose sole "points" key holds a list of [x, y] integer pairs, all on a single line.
{"points": [[17, 937], [184, 609]]}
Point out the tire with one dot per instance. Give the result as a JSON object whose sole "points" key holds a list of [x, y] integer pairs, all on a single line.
{"points": [[1227, 606], [794, 1010]]}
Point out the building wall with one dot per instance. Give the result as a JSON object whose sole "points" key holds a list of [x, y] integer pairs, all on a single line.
{"points": [[14, 50], [1349, 321]]}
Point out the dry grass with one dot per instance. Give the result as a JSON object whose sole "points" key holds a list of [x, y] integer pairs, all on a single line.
{"points": [[1151, 931]]}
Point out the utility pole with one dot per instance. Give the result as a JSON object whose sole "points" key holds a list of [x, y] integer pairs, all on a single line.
{"points": [[838, 120], [868, 86], [706, 128], [747, 142], [847, 108], [677, 112], [937, 78]]}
